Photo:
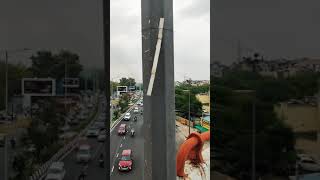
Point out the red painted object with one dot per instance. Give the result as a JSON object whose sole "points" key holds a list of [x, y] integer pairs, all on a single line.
{"points": [[191, 149]]}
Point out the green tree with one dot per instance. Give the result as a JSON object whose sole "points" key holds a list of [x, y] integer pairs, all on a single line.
{"points": [[127, 82], [46, 64], [182, 103], [113, 86], [124, 102], [233, 121], [15, 73]]}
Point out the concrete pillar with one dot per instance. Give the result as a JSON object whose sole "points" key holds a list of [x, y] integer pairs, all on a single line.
{"points": [[159, 115]]}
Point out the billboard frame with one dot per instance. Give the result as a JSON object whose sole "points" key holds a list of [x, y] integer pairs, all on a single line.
{"points": [[53, 87]]}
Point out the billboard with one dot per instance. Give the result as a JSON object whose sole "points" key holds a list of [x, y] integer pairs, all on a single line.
{"points": [[38, 86], [71, 82], [121, 89], [132, 88]]}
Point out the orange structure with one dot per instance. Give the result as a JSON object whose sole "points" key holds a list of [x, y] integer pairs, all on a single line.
{"points": [[191, 149]]}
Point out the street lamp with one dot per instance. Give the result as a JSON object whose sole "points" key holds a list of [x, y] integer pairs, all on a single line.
{"points": [[6, 105], [6, 72], [189, 108]]}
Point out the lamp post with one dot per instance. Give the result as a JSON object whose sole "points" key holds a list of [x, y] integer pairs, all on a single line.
{"points": [[189, 108], [6, 52], [6, 73]]}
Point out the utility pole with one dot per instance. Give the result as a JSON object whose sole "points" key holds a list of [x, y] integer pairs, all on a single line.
{"points": [[6, 157], [65, 85], [253, 139], [189, 114], [159, 115], [239, 51], [6, 99]]}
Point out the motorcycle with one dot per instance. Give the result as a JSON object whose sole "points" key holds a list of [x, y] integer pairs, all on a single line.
{"points": [[101, 161], [132, 133], [135, 118]]}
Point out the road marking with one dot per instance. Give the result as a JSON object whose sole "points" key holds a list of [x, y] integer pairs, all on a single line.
{"points": [[112, 169], [121, 145], [117, 154], [96, 152]]}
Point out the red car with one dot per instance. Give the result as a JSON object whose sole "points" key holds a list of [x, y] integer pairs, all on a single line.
{"points": [[122, 129], [125, 163]]}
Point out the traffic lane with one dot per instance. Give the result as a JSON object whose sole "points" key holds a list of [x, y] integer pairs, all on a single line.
{"points": [[115, 139], [73, 168], [2, 161], [136, 144]]}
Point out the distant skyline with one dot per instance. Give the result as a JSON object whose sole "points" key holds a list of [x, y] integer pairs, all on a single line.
{"points": [[276, 29]]}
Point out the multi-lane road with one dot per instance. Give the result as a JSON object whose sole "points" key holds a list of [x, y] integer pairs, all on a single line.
{"points": [[119, 143], [94, 171]]}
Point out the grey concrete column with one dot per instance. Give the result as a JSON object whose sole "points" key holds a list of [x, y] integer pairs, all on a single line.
{"points": [[159, 116]]}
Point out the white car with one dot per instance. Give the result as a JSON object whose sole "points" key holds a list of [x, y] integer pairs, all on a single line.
{"points": [[56, 171], [308, 163], [93, 132], [102, 136], [127, 117], [84, 153], [136, 110]]}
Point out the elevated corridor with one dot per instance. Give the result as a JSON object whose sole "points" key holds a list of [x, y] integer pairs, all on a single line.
{"points": [[95, 172], [119, 143]]}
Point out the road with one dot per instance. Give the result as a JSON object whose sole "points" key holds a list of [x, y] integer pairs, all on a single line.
{"points": [[94, 171], [119, 143], [2, 161]]}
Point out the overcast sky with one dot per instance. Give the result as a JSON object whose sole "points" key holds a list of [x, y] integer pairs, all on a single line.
{"points": [[191, 39], [76, 25], [59, 24], [275, 28]]}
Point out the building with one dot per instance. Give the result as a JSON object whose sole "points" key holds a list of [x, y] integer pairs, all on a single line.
{"points": [[204, 125], [279, 68], [300, 115]]}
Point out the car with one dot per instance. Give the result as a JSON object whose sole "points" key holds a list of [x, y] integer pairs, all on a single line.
{"points": [[90, 105], [73, 121], [102, 136], [81, 141], [93, 132], [84, 153], [56, 171], [122, 129], [127, 117], [100, 125], [125, 162], [2, 140], [308, 163], [136, 110]]}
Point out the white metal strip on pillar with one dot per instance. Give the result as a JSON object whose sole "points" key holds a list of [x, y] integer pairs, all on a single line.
{"points": [[156, 57]]}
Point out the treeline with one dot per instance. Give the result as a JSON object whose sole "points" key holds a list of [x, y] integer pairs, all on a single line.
{"points": [[234, 112]]}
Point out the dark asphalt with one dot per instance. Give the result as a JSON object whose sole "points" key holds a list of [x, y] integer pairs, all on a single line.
{"points": [[119, 143], [95, 172]]}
